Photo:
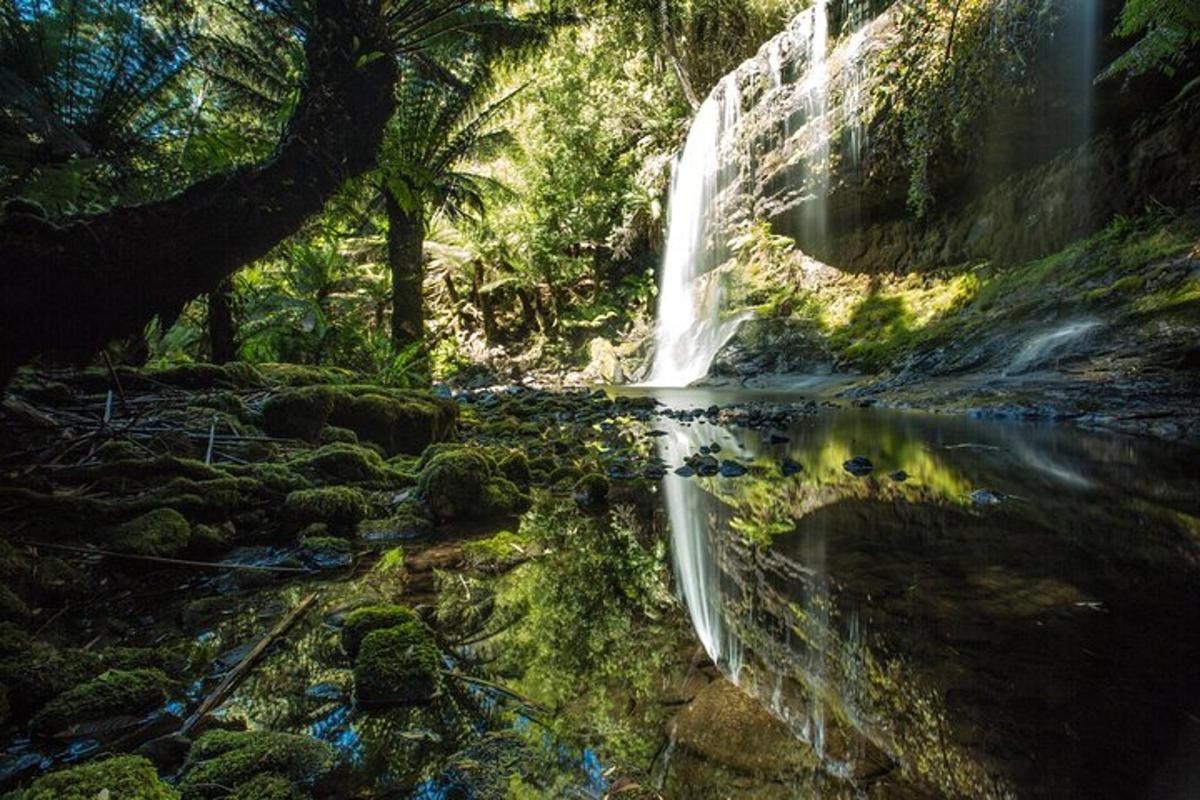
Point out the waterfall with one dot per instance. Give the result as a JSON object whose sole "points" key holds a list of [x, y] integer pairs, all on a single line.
{"points": [[690, 330]]}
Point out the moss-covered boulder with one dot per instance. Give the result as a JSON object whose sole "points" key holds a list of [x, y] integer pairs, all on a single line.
{"points": [[326, 552], [268, 787], [396, 666], [591, 490], [363, 621], [338, 506], [298, 413], [35, 672], [399, 423], [161, 532], [332, 433], [463, 484], [221, 763], [117, 778], [515, 467], [114, 692], [342, 463]]}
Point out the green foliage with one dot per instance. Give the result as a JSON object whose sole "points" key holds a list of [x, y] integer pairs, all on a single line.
{"points": [[952, 62], [1168, 34]]}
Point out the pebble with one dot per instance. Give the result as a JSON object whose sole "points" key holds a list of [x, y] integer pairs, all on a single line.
{"points": [[859, 466]]}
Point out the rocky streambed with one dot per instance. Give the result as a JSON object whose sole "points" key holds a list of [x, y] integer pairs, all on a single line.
{"points": [[277, 581]]}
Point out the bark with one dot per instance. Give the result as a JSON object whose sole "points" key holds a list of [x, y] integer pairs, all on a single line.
{"points": [[67, 290], [222, 337], [484, 302], [406, 259]]}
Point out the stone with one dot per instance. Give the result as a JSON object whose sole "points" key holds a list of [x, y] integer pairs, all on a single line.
{"points": [[859, 466]]}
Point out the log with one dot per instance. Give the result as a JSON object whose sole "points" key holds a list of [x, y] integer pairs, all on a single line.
{"points": [[243, 668]]}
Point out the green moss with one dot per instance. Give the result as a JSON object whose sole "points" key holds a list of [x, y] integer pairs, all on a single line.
{"points": [[410, 519], [332, 433], [114, 692], [591, 490], [118, 778], [221, 762], [161, 532], [206, 376], [12, 607], [211, 539], [271, 478], [458, 484], [396, 666], [298, 413], [404, 424], [327, 552], [564, 474], [118, 450], [336, 505], [342, 463], [497, 552], [35, 671], [267, 787], [363, 621], [391, 563], [515, 467]]}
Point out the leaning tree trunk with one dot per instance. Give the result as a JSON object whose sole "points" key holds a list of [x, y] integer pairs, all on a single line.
{"points": [[222, 338], [67, 290], [406, 260]]}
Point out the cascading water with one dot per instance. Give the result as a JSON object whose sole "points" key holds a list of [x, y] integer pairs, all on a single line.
{"points": [[690, 330]]}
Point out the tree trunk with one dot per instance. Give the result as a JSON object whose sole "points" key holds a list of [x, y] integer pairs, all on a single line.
{"points": [[406, 259], [486, 310], [222, 339], [67, 290]]}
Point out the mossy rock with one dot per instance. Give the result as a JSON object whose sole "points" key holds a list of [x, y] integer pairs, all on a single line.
{"points": [[409, 521], [515, 467], [336, 505], [12, 607], [115, 450], [564, 474], [460, 485], [118, 778], [326, 552], [405, 424], [363, 621], [35, 672], [207, 540], [268, 787], [332, 433], [272, 479], [298, 413], [591, 490], [161, 532], [114, 692], [304, 375], [222, 762], [396, 666], [342, 463], [234, 375]]}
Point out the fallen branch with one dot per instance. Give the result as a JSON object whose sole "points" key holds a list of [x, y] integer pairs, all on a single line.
{"points": [[239, 673], [182, 562]]}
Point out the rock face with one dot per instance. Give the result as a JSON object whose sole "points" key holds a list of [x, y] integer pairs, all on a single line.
{"points": [[804, 157]]}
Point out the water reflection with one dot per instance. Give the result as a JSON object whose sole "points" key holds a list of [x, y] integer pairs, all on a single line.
{"points": [[1042, 646]]}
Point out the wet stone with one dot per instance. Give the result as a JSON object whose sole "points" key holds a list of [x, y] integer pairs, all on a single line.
{"points": [[790, 467], [732, 469], [899, 476], [859, 466], [986, 497]]}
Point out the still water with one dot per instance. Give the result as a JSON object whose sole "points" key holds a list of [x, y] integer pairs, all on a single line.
{"points": [[993, 610]]}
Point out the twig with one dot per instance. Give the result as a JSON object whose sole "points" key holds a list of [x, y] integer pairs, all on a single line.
{"points": [[120, 389], [504, 690], [212, 433], [238, 673], [182, 562]]}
